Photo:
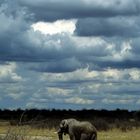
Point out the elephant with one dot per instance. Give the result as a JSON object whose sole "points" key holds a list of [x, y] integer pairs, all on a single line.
{"points": [[77, 130]]}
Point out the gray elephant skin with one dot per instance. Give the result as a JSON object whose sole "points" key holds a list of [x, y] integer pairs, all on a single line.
{"points": [[77, 130]]}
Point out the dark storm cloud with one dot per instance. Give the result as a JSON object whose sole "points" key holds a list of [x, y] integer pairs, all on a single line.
{"points": [[14, 25], [136, 48], [18, 41], [63, 9], [108, 27], [59, 66], [123, 64], [61, 69]]}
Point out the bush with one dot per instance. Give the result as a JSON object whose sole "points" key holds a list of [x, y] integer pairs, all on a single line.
{"points": [[101, 124]]}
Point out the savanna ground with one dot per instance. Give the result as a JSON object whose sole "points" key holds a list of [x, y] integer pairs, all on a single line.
{"points": [[26, 132], [43, 124]]}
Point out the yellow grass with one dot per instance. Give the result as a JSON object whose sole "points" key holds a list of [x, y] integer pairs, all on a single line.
{"points": [[114, 134], [119, 135]]}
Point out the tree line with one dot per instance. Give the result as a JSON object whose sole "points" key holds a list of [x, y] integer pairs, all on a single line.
{"points": [[102, 119]]}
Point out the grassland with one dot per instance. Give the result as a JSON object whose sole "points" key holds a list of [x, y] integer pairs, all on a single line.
{"points": [[28, 133], [116, 134]]}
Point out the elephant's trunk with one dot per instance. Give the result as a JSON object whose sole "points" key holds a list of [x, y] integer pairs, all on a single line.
{"points": [[60, 134]]}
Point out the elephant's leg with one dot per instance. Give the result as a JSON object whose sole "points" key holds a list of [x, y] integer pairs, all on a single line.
{"points": [[72, 137], [60, 135], [84, 137]]}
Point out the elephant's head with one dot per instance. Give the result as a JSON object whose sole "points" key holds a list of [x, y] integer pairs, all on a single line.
{"points": [[63, 128]]}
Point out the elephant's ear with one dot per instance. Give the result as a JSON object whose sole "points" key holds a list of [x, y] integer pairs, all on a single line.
{"points": [[65, 124]]}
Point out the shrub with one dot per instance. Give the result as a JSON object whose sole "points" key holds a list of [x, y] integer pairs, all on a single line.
{"points": [[101, 124]]}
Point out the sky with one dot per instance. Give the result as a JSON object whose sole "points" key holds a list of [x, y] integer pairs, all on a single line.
{"points": [[70, 54]]}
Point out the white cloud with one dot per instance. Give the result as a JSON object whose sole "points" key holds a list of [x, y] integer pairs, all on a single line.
{"points": [[16, 96], [16, 91], [108, 75], [57, 92], [50, 92], [138, 102], [77, 75], [117, 101], [78, 100], [135, 74], [124, 52], [8, 73], [57, 27], [92, 46], [36, 105]]}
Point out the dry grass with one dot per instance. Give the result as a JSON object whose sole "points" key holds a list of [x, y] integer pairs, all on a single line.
{"points": [[28, 133], [116, 134]]}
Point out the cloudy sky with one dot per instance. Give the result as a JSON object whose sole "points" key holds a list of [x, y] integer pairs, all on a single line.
{"points": [[70, 54]]}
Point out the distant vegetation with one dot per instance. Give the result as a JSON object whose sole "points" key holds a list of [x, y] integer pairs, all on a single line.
{"points": [[103, 119]]}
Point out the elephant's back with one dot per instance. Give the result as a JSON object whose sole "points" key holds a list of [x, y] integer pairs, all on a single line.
{"points": [[85, 127]]}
